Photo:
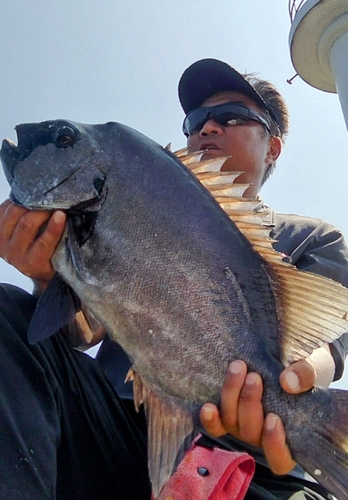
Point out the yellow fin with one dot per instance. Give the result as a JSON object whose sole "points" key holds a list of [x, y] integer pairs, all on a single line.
{"points": [[220, 192], [192, 159], [82, 329], [312, 310], [181, 153], [238, 205], [209, 166], [216, 181], [170, 432]]}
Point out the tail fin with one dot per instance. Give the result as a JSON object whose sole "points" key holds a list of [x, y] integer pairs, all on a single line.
{"points": [[320, 445]]}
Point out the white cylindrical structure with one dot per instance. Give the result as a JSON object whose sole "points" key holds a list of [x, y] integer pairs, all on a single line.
{"points": [[319, 46], [339, 52]]}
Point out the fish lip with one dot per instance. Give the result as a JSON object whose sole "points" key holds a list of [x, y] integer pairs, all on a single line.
{"points": [[8, 143], [15, 200], [8, 149], [9, 156], [93, 205]]}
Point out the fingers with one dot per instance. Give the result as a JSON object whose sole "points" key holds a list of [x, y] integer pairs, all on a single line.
{"points": [[29, 238], [9, 217], [43, 247], [241, 415], [298, 377], [241, 412], [274, 446], [230, 395], [250, 411], [211, 420], [217, 423]]}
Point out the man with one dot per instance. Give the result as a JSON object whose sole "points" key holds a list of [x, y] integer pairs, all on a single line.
{"points": [[255, 145], [228, 116]]}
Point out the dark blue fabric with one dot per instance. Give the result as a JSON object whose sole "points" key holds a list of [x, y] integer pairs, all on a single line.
{"points": [[64, 433]]}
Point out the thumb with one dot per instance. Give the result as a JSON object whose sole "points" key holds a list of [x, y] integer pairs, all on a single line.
{"points": [[298, 377]]}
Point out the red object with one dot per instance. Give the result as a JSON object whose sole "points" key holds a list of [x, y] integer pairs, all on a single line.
{"points": [[210, 474]]}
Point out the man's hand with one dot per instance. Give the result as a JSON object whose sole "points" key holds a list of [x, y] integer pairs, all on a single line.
{"points": [[241, 412], [24, 246]]}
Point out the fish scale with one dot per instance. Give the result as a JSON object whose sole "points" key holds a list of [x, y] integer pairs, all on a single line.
{"points": [[180, 270]]}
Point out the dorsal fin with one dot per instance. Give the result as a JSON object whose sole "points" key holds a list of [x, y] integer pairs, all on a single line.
{"points": [[182, 153], [312, 309]]}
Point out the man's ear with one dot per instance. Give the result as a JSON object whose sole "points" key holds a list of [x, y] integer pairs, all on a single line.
{"points": [[274, 149]]}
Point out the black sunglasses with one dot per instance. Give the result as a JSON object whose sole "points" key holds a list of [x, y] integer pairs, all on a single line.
{"points": [[224, 114]]}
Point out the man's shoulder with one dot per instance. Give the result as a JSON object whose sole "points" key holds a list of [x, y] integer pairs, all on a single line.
{"points": [[311, 244], [301, 227], [300, 221], [280, 222], [7, 289]]}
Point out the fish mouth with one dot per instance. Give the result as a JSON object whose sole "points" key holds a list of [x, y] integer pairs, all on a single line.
{"points": [[47, 192], [30, 136], [9, 155], [92, 205], [9, 144]]}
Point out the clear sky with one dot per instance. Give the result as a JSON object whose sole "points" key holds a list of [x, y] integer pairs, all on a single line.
{"points": [[120, 60]]}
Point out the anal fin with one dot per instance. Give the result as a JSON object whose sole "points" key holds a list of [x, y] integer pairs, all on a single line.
{"points": [[170, 432]]}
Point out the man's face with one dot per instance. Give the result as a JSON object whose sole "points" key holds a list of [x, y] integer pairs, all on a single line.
{"points": [[250, 148]]}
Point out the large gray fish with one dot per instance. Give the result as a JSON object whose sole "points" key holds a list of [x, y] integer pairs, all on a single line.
{"points": [[157, 259]]}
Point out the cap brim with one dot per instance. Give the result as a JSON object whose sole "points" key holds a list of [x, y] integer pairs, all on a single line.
{"points": [[208, 77]]}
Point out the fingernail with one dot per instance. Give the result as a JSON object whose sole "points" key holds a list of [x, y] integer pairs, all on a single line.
{"points": [[235, 367], [207, 413], [293, 381], [271, 422], [59, 216], [251, 379]]}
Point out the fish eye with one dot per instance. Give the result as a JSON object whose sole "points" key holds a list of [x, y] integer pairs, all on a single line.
{"points": [[65, 136]]}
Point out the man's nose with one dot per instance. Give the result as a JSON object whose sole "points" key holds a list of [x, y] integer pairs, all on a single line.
{"points": [[211, 127]]}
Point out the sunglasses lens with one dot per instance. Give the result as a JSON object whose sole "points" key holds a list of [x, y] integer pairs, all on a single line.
{"points": [[225, 117], [223, 114], [195, 120]]}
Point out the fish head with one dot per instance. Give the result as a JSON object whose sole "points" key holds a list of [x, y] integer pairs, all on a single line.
{"points": [[75, 151]]}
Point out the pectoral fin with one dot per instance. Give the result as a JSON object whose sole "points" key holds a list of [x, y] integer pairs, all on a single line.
{"points": [[56, 307]]}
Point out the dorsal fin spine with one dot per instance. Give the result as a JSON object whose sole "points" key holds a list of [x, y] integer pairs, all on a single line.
{"points": [[313, 310]]}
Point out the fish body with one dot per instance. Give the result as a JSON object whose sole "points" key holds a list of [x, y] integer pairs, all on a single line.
{"points": [[175, 282]]}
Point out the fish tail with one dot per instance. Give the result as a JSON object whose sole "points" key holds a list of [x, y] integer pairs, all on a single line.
{"points": [[320, 441]]}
